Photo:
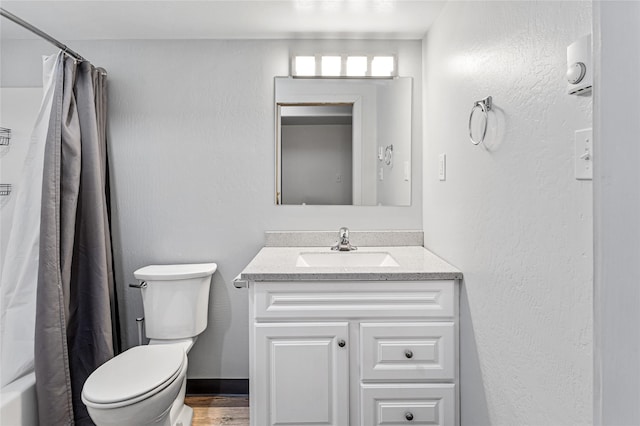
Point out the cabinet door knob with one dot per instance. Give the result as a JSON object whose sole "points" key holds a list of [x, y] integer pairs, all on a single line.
{"points": [[341, 343], [408, 353], [408, 416]]}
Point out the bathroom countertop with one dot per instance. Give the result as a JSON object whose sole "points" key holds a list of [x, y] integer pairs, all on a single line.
{"points": [[415, 264]]}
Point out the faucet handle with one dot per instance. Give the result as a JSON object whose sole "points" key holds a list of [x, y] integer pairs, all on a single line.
{"points": [[344, 233]]}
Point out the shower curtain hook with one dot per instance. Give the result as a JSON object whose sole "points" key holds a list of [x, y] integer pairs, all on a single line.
{"points": [[64, 52]]}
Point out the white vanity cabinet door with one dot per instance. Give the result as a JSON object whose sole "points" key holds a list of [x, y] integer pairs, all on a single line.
{"points": [[302, 374]]}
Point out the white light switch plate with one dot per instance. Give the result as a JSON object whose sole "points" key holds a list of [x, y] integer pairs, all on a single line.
{"points": [[442, 167], [584, 154]]}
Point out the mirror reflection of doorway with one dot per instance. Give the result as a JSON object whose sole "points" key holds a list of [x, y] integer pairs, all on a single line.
{"points": [[317, 154]]}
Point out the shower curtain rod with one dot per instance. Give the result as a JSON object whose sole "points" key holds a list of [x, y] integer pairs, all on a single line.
{"points": [[10, 16]]}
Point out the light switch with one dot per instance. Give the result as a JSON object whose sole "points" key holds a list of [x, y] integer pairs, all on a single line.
{"points": [[407, 171], [442, 167], [584, 154]]}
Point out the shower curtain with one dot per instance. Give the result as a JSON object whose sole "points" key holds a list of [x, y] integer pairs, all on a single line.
{"points": [[20, 265], [75, 290]]}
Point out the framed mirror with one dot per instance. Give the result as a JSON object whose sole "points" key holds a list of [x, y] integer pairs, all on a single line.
{"points": [[343, 141]]}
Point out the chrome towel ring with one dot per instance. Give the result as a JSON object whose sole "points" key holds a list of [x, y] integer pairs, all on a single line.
{"points": [[388, 155], [485, 107]]}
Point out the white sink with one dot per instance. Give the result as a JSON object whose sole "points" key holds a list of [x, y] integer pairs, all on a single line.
{"points": [[345, 259]]}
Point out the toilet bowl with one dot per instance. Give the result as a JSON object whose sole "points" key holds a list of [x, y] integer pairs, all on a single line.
{"points": [[138, 387], [145, 385]]}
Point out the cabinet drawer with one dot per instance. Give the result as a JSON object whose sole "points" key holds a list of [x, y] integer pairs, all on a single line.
{"points": [[354, 299], [415, 351], [400, 405]]}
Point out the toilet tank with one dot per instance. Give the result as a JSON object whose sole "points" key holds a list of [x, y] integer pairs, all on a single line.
{"points": [[175, 299]]}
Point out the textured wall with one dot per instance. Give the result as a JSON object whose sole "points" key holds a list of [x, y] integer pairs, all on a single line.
{"points": [[511, 215], [191, 139]]}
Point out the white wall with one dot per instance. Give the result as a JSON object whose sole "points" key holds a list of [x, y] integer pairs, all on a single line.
{"points": [[511, 215], [617, 213], [191, 144]]}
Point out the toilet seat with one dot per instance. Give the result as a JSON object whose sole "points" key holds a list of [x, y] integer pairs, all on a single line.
{"points": [[134, 375]]}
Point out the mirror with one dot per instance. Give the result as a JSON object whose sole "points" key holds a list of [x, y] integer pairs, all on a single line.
{"points": [[343, 141]]}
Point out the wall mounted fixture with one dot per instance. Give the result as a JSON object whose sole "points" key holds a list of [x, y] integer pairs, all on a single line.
{"points": [[484, 105], [388, 155], [5, 189], [5, 136], [579, 67], [5, 192]]}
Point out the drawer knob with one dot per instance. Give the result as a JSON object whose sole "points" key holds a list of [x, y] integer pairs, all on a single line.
{"points": [[408, 353], [408, 416], [341, 343]]}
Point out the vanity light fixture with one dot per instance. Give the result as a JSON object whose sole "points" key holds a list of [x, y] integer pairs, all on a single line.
{"points": [[376, 66], [357, 66], [331, 66], [304, 66], [383, 66]]}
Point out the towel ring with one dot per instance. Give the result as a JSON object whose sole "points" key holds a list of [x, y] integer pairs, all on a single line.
{"points": [[485, 107], [388, 155]]}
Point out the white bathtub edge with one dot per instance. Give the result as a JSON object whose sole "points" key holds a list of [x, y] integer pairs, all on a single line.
{"points": [[18, 404]]}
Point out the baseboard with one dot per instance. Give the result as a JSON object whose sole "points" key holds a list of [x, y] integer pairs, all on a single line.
{"points": [[217, 386]]}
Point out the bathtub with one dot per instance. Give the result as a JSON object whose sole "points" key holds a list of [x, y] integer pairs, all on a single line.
{"points": [[18, 405]]}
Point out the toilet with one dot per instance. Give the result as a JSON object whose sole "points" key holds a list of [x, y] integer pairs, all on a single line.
{"points": [[145, 385]]}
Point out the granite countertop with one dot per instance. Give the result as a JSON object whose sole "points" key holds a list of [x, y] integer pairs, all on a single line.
{"points": [[415, 264]]}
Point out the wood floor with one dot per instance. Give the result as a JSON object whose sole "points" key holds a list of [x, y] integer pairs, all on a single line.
{"points": [[219, 410]]}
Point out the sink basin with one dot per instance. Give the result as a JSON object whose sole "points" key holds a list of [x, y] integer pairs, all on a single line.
{"points": [[345, 259]]}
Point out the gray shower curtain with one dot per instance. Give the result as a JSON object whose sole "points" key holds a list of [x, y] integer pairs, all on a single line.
{"points": [[75, 309]]}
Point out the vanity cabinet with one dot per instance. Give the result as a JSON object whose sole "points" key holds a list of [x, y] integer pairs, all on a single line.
{"points": [[354, 353]]}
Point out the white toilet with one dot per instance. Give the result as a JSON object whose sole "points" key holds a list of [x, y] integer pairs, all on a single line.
{"points": [[145, 385]]}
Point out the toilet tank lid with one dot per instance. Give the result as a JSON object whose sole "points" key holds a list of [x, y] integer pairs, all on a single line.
{"points": [[175, 272]]}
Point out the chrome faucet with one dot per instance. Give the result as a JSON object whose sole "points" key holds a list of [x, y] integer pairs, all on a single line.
{"points": [[343, 243]]}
